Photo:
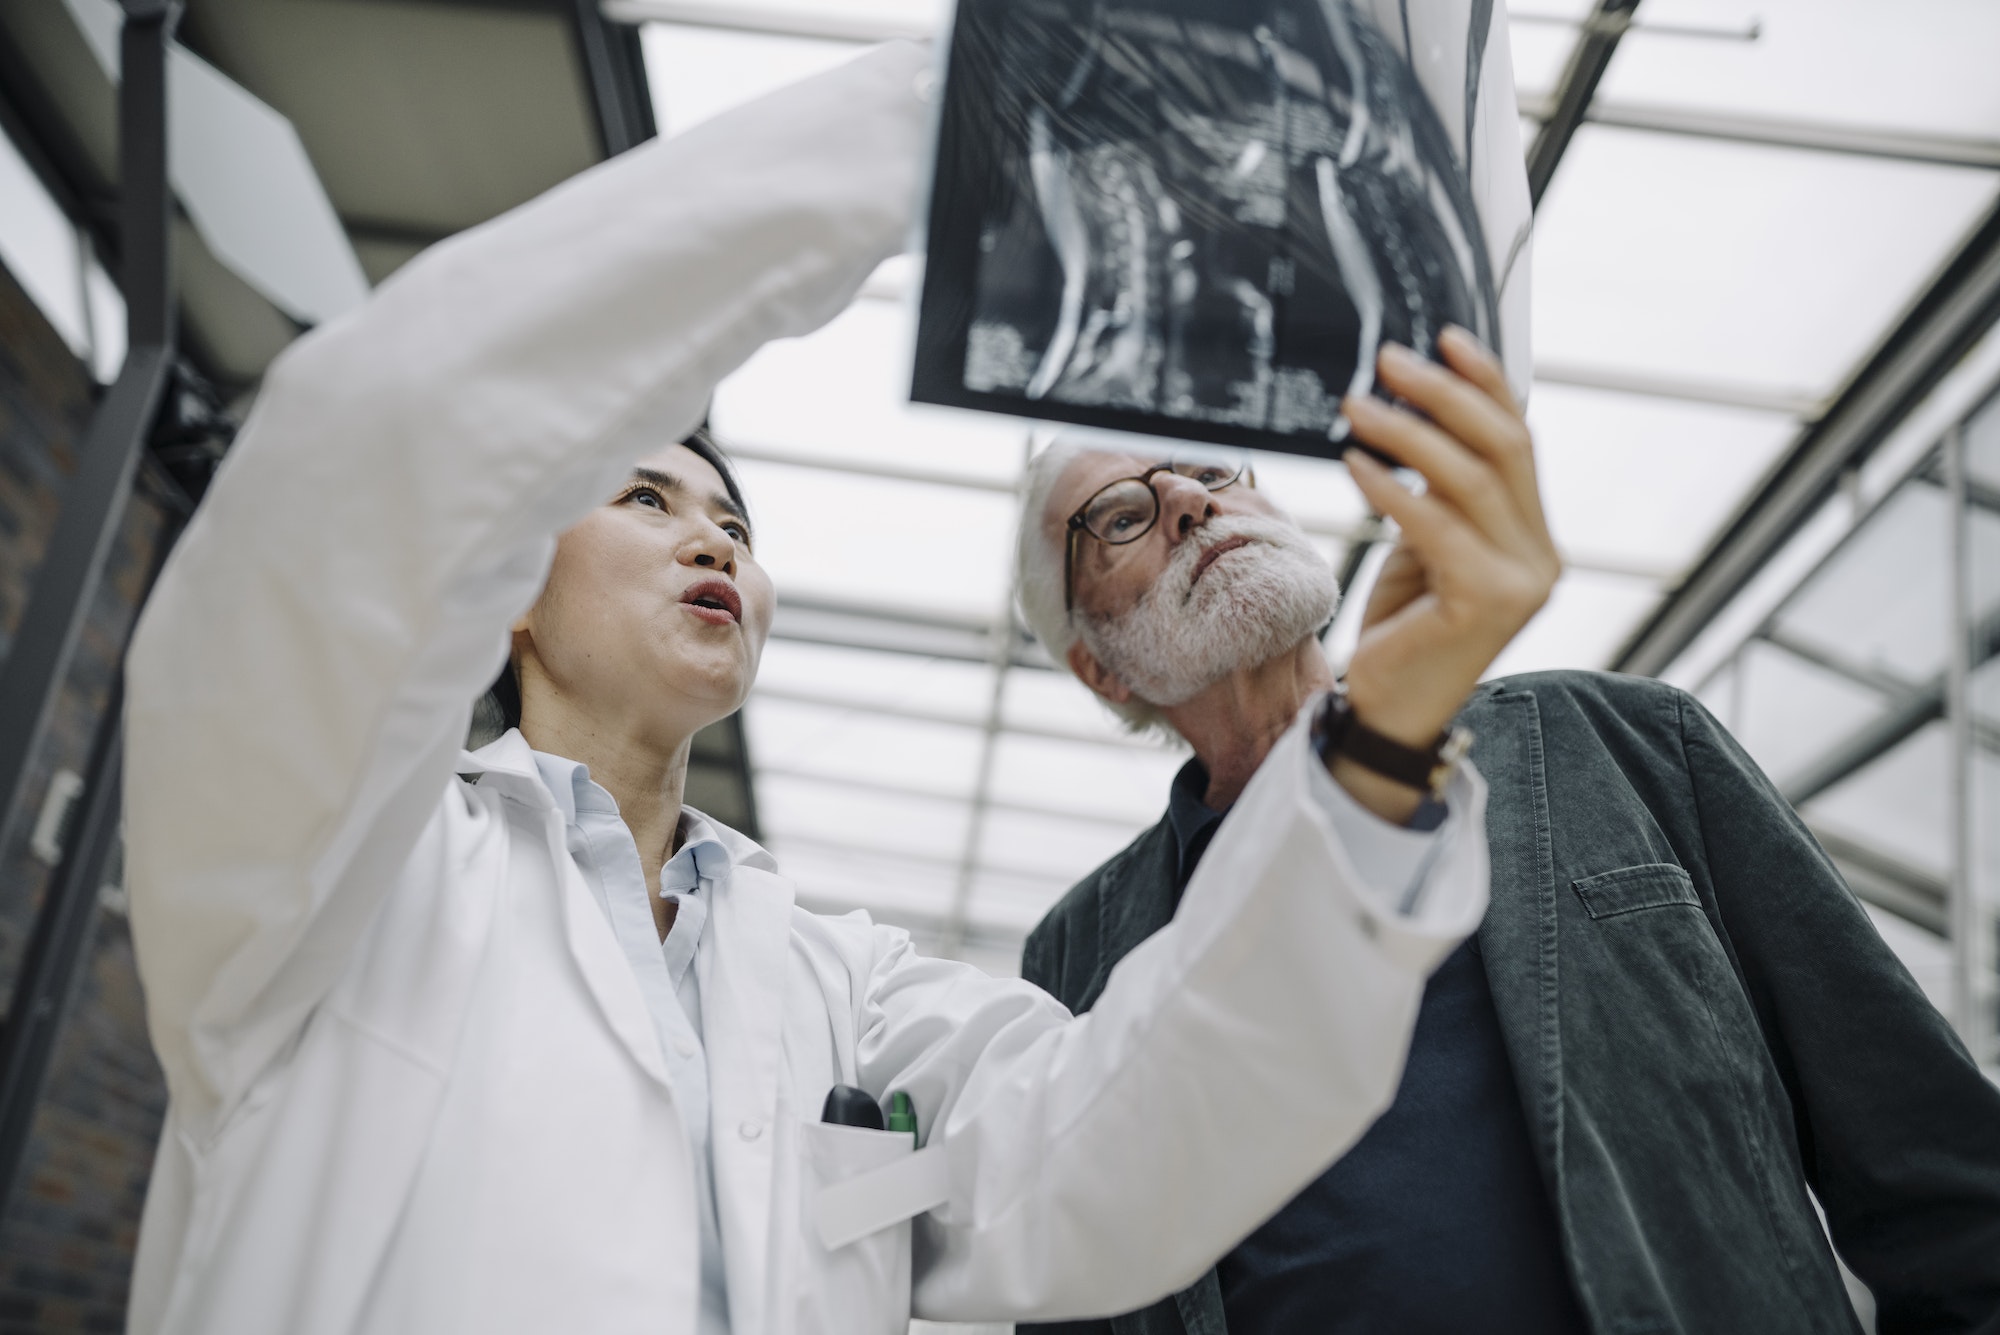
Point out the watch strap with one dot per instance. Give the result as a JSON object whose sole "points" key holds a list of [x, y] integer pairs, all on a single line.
{"points": [[1428, 769]]}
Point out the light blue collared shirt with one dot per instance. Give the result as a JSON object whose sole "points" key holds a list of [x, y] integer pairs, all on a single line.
{"points": [[602, 847]]}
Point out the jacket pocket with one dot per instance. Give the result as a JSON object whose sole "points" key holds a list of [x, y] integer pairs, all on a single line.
{"points": [[861, 1287], [1652, 885]]}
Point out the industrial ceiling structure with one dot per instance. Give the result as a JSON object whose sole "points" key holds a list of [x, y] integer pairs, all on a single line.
{"points": [[1767, 244]]}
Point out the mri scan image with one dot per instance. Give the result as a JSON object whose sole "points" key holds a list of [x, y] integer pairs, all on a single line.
{"points": [[1203, 218]]}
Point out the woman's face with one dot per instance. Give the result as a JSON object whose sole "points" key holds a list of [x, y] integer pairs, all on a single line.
{"points": [[655, 612]]}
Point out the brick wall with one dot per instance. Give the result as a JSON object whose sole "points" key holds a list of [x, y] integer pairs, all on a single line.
{"points": [[66, 1237]]}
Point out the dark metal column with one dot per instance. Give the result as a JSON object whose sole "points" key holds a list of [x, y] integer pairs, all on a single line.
{"points": [[615, 71], [94, 501], [93, 511], [1587, 63], [61, 939]]}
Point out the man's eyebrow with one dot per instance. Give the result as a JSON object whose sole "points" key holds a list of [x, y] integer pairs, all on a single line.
{"points": [[721, 500]]}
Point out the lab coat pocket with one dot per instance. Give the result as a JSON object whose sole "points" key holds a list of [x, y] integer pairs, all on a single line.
{"points": [[861, 1189]]}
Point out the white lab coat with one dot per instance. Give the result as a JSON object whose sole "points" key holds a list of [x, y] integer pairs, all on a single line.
{"points": [[414, 1085]]}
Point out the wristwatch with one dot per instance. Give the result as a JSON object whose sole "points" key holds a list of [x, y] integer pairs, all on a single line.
{"points": [[1337, 732]]}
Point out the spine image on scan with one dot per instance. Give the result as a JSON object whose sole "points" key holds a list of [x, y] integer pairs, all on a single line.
{"points": [[1196, 217]]}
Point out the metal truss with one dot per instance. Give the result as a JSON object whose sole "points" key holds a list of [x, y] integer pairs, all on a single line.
{"points": [[1944, 324], [1896, 146], [94, 505]]}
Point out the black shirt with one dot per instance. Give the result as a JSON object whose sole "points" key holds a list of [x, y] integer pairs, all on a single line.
{"points": [[1437, 1220]]}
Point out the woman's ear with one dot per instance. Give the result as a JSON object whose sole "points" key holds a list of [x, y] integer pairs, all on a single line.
{"points": [[1099, 678]]}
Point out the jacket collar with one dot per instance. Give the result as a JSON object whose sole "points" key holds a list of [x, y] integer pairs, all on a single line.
{"points": [[1137, 893]]}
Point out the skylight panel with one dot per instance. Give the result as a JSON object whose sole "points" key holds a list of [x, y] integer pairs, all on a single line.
{"points": [[902, 891], [827, 812], [1791, 712], [1005, 904], [1110, 783], [696, 72], [1736, 266], [896, 544], [1057, 701], [865, 678], [1923, 67], [1643, 482], [1584, 622], [859, 746], [1055, 847], [841, 394], [1882, 601], [1898, 804]]}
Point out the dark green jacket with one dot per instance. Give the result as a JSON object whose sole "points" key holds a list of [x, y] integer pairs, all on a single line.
{"points": [[1702, 1022]]}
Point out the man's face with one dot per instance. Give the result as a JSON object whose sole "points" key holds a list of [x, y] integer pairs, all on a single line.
{"points": [[655, 611], [1223, 580]]}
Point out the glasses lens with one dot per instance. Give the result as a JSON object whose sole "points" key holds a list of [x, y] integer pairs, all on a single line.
{"points": [[1211, 473], [1122, 511]]}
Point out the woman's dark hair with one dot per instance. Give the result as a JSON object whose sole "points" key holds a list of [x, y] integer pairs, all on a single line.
{"points": [[500, 708]]}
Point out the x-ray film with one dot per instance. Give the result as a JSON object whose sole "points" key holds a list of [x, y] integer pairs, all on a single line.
{"points": [[1204, 218]]}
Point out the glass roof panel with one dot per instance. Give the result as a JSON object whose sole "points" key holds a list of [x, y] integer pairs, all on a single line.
{"points": [[1005, 903], [933, 548], [842, 394], [1052, 846], [1922, 66], [866, 677], [862, 746], [1984, 689], [894, 889], [1982, 445], [1584, 622], [826, 812], [1791, 712], [1644, 481], [1112, 783], [1898, 804], [1056, 700], [1735, 265], [1540, 39], [1881, 602], [39, 246], [696, 73]]}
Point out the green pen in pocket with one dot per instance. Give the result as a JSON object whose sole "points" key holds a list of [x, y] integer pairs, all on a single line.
{"points": [[902, 1114]]}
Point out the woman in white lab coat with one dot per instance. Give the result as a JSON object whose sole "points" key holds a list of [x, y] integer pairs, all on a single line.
{"points": [[418, 1082]]}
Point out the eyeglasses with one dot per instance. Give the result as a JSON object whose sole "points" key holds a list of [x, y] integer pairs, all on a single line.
{"points": [[1126, 510]]}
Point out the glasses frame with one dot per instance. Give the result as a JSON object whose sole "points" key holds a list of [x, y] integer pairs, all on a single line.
{"points": [[1077, 526]]}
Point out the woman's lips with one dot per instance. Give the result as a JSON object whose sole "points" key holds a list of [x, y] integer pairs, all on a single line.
{"points": [[1208, 558], [714, 601]]}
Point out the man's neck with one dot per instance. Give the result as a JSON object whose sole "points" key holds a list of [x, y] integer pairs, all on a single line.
{"points": [[1234, 724]]}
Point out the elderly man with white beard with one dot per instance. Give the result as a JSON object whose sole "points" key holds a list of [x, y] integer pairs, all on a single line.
{"points": [[1676, 1026]]}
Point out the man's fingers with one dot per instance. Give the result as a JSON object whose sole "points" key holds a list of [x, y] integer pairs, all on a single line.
{"points": [[1473, 360], [1454, 473], [1484, 424], [1480, 420], [1433, 529], [1497, 586]]}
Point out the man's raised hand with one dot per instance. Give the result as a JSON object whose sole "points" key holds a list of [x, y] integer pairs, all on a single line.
{"points": [[1475, 560]]}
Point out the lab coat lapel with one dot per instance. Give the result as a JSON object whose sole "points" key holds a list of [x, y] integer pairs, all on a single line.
{"points": [[742, 979], [606, 971], [508, 765]]}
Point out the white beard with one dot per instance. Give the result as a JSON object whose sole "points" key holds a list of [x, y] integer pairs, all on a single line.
{"points": [[1251, 605]]}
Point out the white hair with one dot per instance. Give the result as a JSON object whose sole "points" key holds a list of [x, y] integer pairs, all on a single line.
{"points": [[1177, 640], [1039, 545]]}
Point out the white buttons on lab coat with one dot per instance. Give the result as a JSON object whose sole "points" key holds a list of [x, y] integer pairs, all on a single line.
{"points": [[750, 1130]]}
